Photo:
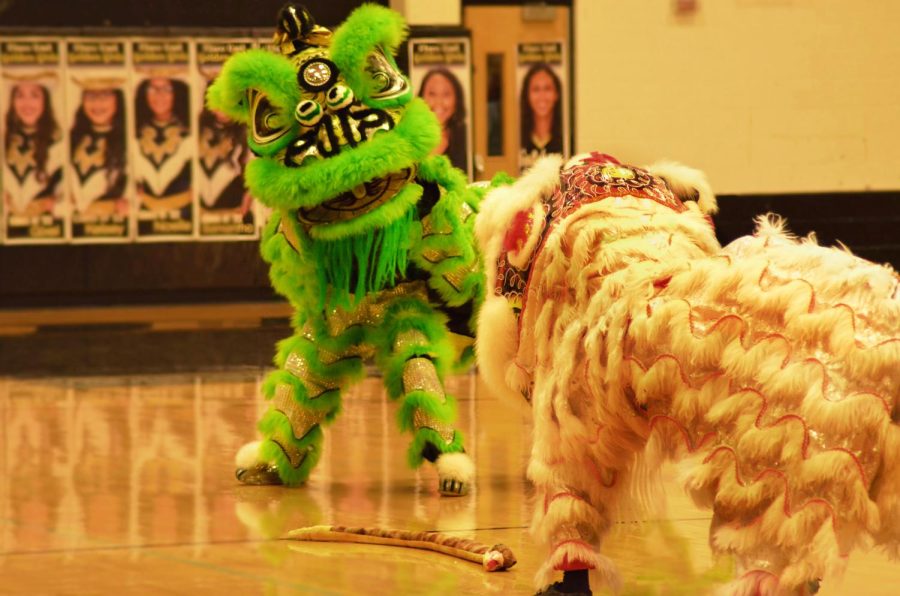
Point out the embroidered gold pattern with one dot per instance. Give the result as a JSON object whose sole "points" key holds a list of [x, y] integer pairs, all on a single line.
{"points": [[315, 386], [425, 420], [419, 374], [370, 310], [408, 339], [302, 419]]}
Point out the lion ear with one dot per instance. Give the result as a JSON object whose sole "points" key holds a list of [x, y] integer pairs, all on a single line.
{"points": [[363, 48], [258, 70]]}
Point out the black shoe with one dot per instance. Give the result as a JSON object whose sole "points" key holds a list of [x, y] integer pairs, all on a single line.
{"points": [[558, 589], [260, 475]]}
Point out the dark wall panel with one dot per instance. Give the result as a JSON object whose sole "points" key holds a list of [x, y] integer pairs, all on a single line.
{"points": [[163, 13], [70, 275]]}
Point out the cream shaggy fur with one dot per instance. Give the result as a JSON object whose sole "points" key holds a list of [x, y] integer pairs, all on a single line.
{"points": [[771, 368]]}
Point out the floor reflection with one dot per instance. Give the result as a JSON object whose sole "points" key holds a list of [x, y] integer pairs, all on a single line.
{"points": [[125, 485]]}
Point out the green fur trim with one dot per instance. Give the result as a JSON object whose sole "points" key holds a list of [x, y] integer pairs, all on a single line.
{"points": [[292, 273], [427, 435], [368, 27], [266, 72], [438, 169], [412, 139], [501, 179], [278, 425], [364, 263], [465, 360], [381, 217]]}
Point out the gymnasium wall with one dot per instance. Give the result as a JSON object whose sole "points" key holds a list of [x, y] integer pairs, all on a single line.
{"points": [[766, 96]]}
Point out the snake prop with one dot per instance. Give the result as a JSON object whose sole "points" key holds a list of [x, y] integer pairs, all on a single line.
{"points": [[494, 558]]}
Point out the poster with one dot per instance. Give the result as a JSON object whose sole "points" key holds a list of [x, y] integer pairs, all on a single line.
{"points": [[226, 207], [264, 212], [164, 145], [97, 105], [34, 146], [440, 73], [543, 101]]}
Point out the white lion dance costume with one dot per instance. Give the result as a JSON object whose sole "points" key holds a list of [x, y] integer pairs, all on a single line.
{"points": [[770, 366]]}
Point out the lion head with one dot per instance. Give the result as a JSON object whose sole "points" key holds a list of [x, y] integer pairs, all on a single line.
{"points": [[334, 123]]}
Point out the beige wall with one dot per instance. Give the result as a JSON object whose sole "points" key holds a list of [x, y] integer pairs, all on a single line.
{"points": [[429, 12], [764, 95]]}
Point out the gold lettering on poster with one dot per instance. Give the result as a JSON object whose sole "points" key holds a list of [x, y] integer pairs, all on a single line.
{"points": [[547, 52], [425, 53], [29, 53], [172, 227], [104, 229], [218, 52], [96, 53], [160, 52]]}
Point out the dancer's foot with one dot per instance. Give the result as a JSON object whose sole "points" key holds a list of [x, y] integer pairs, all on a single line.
{"points": [[456, 474], [251, 469], [574, 583]]}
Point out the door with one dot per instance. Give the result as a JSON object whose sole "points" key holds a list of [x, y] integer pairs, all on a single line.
{"points": [[522, 84]]}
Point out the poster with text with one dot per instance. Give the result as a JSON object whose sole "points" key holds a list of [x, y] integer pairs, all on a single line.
{"points": [[264, 212], [164, 146], [440, 73], [542, 93], [97, 107], [34, 141], [226, 207]]}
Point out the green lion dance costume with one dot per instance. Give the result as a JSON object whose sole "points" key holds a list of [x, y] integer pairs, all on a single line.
{"points": [[371, 239]]}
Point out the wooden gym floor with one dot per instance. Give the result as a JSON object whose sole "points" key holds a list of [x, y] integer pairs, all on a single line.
{"points": [[124, 485]]}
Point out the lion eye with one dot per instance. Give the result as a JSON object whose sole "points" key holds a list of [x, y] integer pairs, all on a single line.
{"points": [[308, 113], [267, 122], [388, 83], [339, 97]]}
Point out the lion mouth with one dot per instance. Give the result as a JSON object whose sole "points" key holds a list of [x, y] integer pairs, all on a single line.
{"points": [[362, 199], [347, 128]]}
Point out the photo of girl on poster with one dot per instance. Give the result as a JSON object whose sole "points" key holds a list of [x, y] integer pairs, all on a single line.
{"points": [[226, 207], [443, 93], [441, 71], [97, 146], [98, 176], [541, 111], [542, 102], [34, 159], [164, 152], [223, 153]]}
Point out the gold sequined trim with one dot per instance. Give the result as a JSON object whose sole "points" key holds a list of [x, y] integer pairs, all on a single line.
{"points": [[295, 456], [419, 374], [434, 255], [370, 311], [315, 386], [288, 231], [428, 228], [466, 211], [424, 420], [302, 419], [456, 278], [409, 339]]}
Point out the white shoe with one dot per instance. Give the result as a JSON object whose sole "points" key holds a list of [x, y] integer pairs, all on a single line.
{"points": [[250, 468], [456, 474]]}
